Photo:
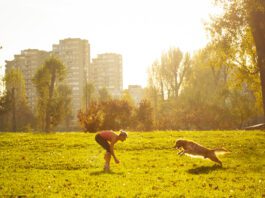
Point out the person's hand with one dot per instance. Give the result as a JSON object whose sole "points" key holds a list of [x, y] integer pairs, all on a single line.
{"points": [[117, 161]]}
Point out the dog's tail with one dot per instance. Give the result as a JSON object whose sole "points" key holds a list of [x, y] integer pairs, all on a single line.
{"points": [[220, 151]]}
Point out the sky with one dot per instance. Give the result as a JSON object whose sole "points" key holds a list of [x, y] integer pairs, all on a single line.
{"points": [[139, 30]]}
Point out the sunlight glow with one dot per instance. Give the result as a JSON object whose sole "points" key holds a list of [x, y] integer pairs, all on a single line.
{"points": [[139, 30]]}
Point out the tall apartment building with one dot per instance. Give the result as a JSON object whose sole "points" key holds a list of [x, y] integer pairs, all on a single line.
{"points": [[75, 55], [137, 92], [106, 72], [28, 62]]}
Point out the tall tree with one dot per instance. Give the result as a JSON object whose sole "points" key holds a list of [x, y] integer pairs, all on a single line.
{"points": [[215, 96], [89, 94], [240, 18], [144, 116], [168, 74], [166, 79], [5, 107], [15, 85], [46, 80], [63, 96]]}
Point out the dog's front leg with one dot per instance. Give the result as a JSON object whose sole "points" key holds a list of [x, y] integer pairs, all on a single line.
{"points": [[181, 153]]}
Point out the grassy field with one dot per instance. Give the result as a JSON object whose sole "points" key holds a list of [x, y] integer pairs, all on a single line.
{"points": [[71, 164]]}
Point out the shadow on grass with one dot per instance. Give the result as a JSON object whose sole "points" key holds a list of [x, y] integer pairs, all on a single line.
{"points": [[96, 173], [56, 167], [204, 169]]}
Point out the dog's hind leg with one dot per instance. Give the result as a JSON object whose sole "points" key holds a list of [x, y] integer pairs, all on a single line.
{"points": [[215, 159]]}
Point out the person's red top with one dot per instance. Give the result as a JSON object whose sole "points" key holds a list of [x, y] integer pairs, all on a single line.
{"points": [[106, 135]]}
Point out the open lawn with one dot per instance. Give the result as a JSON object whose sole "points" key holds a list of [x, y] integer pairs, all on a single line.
{"points": [[71, 164]]}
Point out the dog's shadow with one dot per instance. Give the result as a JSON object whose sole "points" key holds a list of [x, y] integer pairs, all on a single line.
{"points": [[204, 169]]}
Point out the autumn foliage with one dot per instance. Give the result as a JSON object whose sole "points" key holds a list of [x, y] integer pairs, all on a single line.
{"points": [[116, 114]]}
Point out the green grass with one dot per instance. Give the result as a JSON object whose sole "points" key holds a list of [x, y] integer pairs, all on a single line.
{"points": [[70, 165]]}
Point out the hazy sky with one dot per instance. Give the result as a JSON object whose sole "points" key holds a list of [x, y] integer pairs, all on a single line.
{"points": [[140, 30]]}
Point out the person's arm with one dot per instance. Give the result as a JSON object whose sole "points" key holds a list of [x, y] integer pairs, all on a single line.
{"points": [[112, 150]]}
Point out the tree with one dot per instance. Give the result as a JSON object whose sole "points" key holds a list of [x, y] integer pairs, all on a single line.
{"points": [[166, 80], [103, 95], [171, 64], [15, 84], [126, 96], [46, 81], [92, 119], [202, 101], [144, 116], [244, 20], [117, 114], [89, 94], [16, 95], [168, 74], [5, 106], [111, 114], [210, 93], [214, 96], [63, 106]]}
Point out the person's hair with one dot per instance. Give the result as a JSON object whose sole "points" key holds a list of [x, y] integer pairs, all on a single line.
{"points": [[123, 133]]}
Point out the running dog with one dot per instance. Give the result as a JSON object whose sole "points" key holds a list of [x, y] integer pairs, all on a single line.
{"points": [[195, 149]]}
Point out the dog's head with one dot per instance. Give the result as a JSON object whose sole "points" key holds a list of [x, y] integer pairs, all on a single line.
{"points": [[179, 144]]}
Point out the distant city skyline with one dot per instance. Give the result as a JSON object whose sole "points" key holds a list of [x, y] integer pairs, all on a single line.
{"points": [[138, 30], [104, 72]]}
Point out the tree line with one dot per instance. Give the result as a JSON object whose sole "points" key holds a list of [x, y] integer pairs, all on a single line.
{"points": [[221, 86]]}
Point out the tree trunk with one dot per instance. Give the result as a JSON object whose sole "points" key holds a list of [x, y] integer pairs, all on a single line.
{"points": [[48, 109], [48, 117], [162, 90], [261, 64], [258, 30], [176, 84], [14, 119], [86, 98]]}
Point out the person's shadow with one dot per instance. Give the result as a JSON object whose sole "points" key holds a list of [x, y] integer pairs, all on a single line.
{"points": [[96, 173], [204, 169]]}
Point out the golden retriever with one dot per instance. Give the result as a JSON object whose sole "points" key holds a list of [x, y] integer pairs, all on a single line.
{"points": [[194, 149]]}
